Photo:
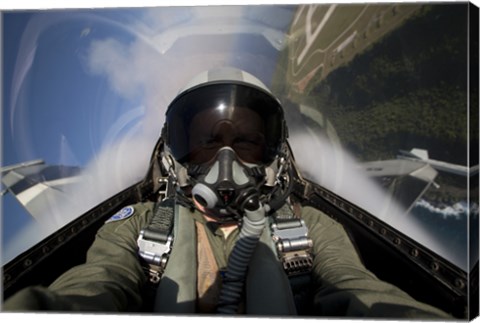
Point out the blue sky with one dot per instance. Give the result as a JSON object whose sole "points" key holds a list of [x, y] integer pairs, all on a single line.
{"points": [[55, 107], [51, 103], [58, 100]]}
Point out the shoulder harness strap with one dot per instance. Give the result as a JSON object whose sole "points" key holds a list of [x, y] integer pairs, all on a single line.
{"points": [[155, 241], [289, 234]]}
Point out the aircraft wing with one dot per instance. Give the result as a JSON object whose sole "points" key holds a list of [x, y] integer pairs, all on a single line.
{"points": [[405, 180], [422, 155], [39, 187]]}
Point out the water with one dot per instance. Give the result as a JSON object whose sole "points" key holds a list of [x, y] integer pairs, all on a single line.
{"points": [[453, 236]]}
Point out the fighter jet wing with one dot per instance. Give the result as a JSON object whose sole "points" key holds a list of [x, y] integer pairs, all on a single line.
{"points": [[39, 187]]}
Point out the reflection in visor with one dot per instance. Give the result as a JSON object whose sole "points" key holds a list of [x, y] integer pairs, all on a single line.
{"points": [[205, 119], [239, 128]]}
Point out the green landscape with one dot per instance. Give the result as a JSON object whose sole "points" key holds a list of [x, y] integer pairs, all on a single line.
{"points": [[410, 88]]}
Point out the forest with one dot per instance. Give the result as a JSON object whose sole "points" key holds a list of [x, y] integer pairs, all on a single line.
{"points": [[410, 88]]}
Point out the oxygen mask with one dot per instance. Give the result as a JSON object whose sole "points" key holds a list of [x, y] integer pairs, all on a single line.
{"points": [[227, 186]]}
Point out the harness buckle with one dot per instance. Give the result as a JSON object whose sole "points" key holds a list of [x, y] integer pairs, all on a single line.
{"points": [[154, 252], [293, 246], [154, 274], [297, 263]]}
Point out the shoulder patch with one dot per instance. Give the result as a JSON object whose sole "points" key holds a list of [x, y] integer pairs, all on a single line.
{"points": [[123, 214]]}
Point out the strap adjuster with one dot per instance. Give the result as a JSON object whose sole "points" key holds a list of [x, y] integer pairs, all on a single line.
{"points": [[291, 235], [154, 252], [293, 246]]}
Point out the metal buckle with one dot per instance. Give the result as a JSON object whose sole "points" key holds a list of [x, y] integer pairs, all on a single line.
{"points": [[154, 274], [293, 246], [154, 252], [297, 263], [291, 236]]}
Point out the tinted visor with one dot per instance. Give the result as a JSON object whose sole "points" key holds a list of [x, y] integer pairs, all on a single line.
{"points": [[203, 120]]}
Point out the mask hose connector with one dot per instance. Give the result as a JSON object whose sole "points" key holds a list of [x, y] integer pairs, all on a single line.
{"points": [[252, 228]]}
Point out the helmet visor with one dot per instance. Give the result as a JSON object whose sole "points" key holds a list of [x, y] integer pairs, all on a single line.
{"points": [[203, 120]]}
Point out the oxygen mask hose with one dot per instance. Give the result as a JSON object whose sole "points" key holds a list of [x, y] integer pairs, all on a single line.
{"points": [[252, 227]]}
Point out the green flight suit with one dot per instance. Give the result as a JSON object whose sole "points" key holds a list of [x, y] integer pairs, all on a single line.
{"points": [[112, 278]]}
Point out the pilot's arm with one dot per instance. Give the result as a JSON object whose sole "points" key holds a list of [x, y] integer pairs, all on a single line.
{"points": [[344, 287], [110, 280]]}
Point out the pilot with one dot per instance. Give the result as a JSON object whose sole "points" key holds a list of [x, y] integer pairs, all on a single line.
{"points": [[226, 236]]}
